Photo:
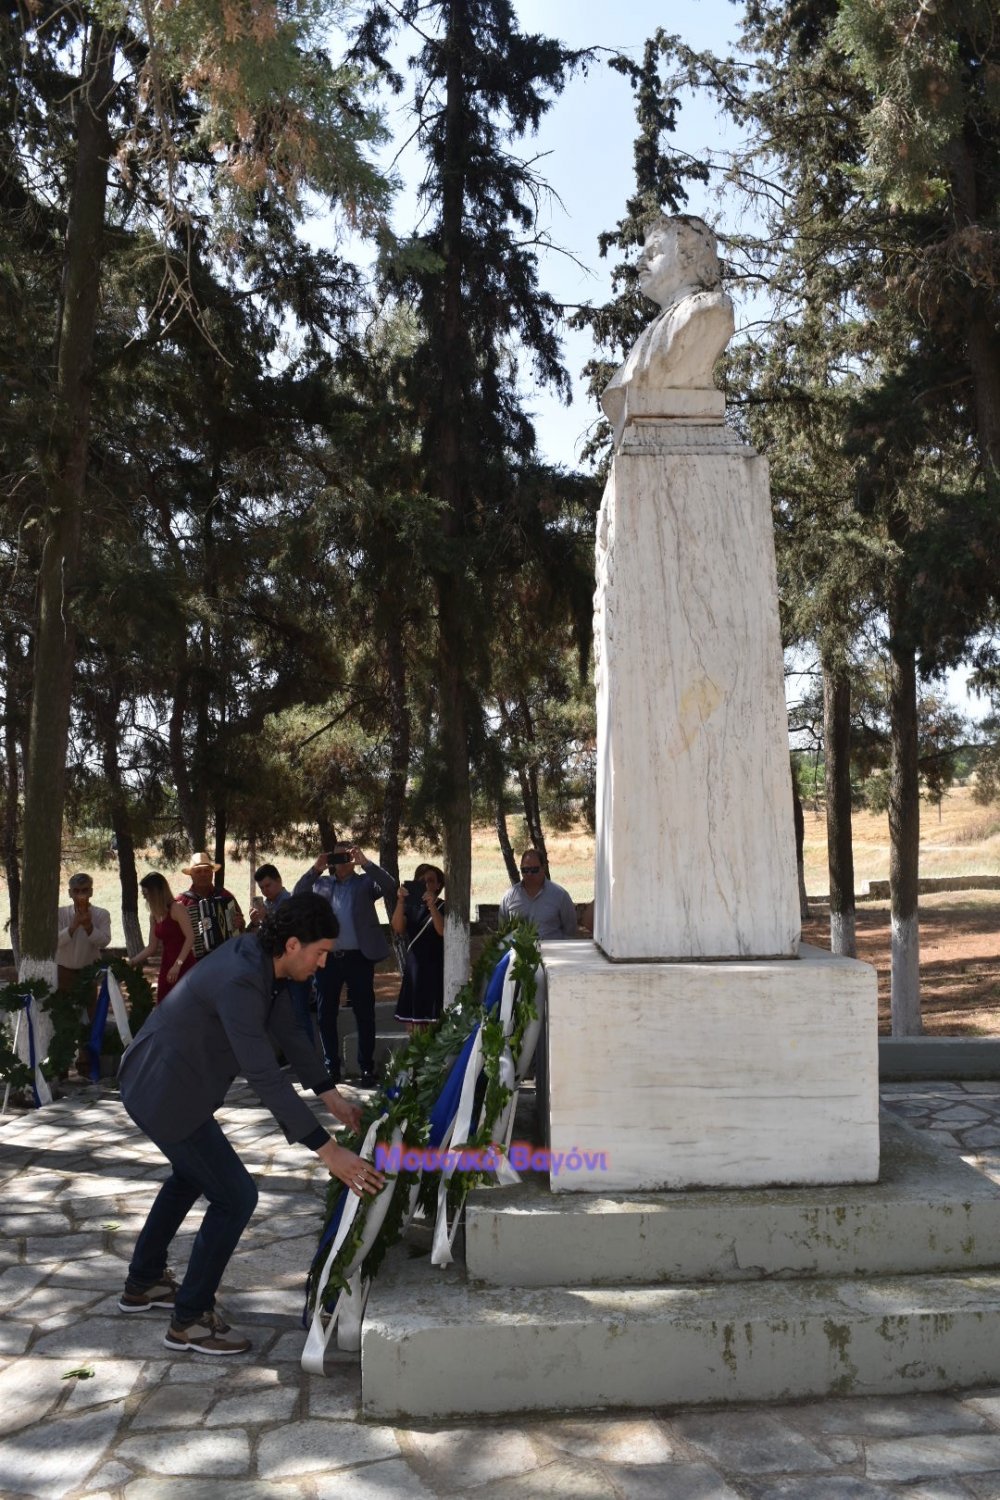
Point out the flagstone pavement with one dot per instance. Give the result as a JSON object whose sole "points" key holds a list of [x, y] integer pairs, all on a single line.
{"points": [[76, 1182]]}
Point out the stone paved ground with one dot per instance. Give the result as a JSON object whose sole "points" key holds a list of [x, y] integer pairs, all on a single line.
{"points": [[76, 1183]]}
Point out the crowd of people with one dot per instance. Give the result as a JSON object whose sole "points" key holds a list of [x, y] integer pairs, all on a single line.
{"points": [[184, 929], [232, 1001]]}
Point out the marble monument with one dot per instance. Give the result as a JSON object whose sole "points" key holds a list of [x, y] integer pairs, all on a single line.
{"points": [[742, 1059]]}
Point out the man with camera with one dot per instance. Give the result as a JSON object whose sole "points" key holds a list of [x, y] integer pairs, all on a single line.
{"points": [[360, 946]]}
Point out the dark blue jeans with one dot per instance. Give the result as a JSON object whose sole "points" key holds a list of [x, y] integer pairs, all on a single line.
{"points": [[300, 991], [358, 973], [204, 1164]]}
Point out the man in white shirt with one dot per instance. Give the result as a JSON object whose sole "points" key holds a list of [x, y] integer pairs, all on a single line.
{"points": [[83, 931]]}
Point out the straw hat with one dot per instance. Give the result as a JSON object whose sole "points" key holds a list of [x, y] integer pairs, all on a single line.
{"points": [[200, 862]]}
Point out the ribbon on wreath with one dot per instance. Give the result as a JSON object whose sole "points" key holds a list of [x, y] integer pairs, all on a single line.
{"points": [[31, 1042], [39, 1083], [453, 1123], [109, 998], [346, 1313]]}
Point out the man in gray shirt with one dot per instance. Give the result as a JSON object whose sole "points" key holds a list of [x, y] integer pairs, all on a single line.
{"points": [[537, 899]]}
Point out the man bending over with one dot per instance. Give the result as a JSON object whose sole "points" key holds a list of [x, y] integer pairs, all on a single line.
{"points": [[224, 1018]]}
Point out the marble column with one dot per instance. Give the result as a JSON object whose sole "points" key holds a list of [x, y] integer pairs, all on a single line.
{"points": [[695, 837]]}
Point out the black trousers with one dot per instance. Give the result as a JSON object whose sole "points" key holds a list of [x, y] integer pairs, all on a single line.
{"points": [[348, 967]]}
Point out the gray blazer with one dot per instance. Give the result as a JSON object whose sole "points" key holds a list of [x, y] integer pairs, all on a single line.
{"points": [[365, 891], [222, 1019]]}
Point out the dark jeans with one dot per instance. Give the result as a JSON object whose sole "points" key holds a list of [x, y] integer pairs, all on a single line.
{"points": [[300, 991], [204, 1163], [358, 973]]}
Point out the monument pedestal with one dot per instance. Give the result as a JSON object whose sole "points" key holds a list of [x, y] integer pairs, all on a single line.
{"points": [[738, 1074]]}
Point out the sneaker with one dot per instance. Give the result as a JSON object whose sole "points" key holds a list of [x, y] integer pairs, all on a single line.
{"points": [[139, 1299], [206, 1335]]}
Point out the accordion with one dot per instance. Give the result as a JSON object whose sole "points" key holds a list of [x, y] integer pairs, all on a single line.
{"points": [[214, 921]]}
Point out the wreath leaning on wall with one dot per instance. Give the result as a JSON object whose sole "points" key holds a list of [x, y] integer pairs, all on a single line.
{"points": [[404, 1104]]}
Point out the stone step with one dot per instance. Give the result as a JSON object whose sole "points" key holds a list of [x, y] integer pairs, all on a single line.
{"points": [[434, 1345], [929, 1212], [390, 1037], [386, 1043]]}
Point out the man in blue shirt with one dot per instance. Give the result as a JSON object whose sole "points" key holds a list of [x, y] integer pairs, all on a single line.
{"points": [[361, 944]]}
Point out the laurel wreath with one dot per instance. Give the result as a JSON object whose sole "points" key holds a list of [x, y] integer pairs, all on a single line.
{"points": [[64, 1010], [414, 1079]]}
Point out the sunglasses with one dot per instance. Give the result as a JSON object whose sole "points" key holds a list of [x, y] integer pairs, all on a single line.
{"points": [[531, 869]]}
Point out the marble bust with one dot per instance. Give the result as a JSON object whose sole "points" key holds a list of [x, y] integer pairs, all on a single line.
{"points": [[668, 372]]}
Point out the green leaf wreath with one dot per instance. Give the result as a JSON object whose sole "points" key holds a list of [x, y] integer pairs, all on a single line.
{"points": [[415, 1077], [136, 987], [64, 1011]]}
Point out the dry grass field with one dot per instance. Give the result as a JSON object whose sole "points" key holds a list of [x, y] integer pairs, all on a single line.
{"points": [[959, 839], [960, 931]]}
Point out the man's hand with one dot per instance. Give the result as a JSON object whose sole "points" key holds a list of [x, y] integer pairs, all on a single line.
{"points": [[320, 863], [357, 1174], [357, 855], [342, 1109]]}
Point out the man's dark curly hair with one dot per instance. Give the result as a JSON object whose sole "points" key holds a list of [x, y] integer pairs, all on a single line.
{"points": [[307, 918]]}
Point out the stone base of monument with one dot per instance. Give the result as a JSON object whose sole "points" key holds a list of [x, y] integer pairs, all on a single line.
{"points": [[719, 1074], [929, 1212], [574, 1302]]}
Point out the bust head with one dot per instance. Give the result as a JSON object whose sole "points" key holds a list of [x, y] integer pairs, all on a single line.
{"points": [[678, 258]]}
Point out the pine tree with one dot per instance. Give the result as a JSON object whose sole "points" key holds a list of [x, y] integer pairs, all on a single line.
{"points": [[838, 256], [98, 118], [471, 278]]}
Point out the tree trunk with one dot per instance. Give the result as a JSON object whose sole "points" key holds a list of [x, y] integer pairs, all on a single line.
{"points": [[904, 828], [192, 809], [839, 839], [399, 757], [800, 849], [528, 778], [446, 459], [395, 790], [11, 789], [327, 833], [221, 832], [503, 838], [107, 711], [128, 877], [457, 800], [55, 646]]}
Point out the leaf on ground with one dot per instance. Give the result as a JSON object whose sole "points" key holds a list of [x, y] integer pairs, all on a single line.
{"points": [[82, 1372]]}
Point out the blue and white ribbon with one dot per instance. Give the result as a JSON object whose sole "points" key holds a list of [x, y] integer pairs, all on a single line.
{"points": [[109, 998], [39, 1083], [346, 1314]]}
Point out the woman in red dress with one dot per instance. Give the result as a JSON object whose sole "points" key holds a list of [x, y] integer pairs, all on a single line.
{"points": [[170, 930]]}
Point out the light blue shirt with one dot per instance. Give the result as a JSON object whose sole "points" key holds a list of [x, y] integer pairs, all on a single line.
{"points": [[342, 901]]}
